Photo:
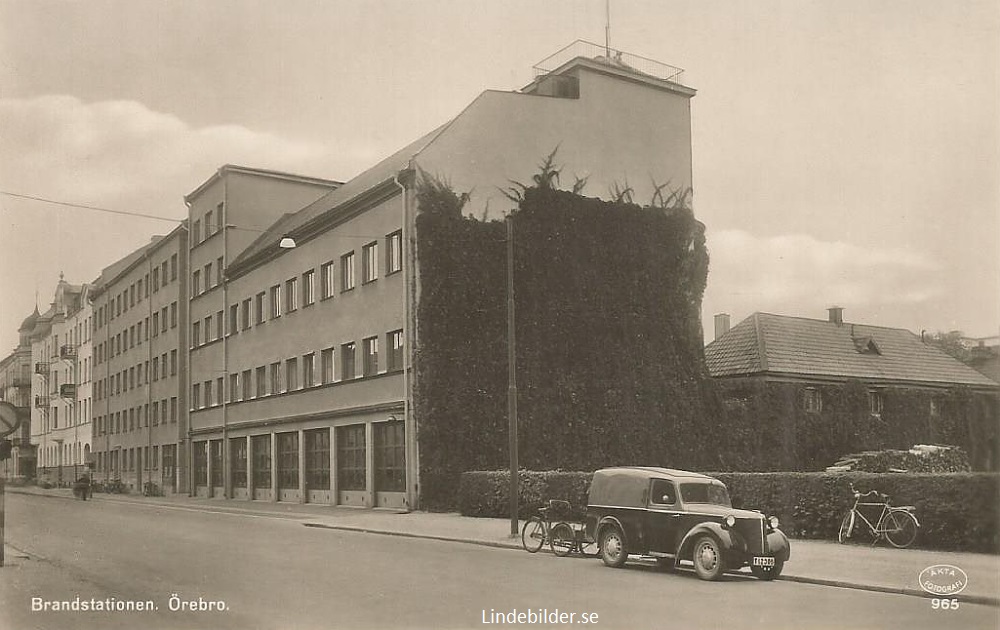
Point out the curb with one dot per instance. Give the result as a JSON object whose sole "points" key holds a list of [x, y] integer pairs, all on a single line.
{"points": [[911, 592]]}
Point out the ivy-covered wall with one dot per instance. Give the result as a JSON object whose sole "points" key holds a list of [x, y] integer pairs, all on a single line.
{"points": [[610, 366], [770, 429]]}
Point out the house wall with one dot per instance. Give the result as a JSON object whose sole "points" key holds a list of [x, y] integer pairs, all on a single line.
{"points": [[618, 131], [135, 379], [768, 427]]}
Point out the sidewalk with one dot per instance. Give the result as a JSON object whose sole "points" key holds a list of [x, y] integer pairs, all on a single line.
{"points": [[815, 562]]}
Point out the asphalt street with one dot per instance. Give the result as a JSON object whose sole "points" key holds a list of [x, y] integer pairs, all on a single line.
{"points": [[271, 571]]}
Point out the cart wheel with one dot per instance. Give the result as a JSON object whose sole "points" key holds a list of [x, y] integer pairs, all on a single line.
{"points": [[563, 539]]}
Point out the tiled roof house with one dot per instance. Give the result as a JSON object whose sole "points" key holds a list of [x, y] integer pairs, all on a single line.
{"points": [[916, 393]]}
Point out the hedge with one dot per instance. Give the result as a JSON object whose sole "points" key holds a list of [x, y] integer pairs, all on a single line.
{"points": [[957, 511]]}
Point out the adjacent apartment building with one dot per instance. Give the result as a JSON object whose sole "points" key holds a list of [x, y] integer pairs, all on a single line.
{"points": [[15, 388], [303, 345], [139, 367], [61, 387]]}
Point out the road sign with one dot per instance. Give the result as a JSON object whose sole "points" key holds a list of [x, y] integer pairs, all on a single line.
{"points": [[9, 420]]}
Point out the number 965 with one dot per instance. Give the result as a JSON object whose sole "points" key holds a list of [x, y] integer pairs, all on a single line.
{"points": [[944, 604]]}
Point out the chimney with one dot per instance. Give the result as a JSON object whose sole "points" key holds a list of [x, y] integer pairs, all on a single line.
{"points": [[836, 315], [721, 324]]}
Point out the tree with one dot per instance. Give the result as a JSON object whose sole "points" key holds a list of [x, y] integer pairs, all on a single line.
{"points": [[950, 343]]}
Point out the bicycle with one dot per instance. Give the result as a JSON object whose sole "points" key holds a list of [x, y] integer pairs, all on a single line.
{"points": [[562, 537], [897, 524]]}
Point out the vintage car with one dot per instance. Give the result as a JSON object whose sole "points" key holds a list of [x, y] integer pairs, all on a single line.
{"points": [[676, 516]]}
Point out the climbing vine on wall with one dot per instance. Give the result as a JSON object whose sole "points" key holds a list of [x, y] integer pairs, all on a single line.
{"points": [[610, 365]]}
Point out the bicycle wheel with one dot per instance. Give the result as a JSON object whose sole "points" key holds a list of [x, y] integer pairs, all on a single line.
{"points": [[846, 527], [900, 528], [533, 534]]}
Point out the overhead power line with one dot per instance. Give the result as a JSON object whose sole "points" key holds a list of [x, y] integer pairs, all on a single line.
{"points": [[85, 207]]}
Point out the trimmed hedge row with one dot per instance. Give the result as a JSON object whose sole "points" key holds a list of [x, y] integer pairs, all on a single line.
{"points": [[957, 511]]}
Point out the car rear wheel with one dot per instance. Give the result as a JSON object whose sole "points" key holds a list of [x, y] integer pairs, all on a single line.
{"points": [[707, 557], [768, 573], [613, 552]]}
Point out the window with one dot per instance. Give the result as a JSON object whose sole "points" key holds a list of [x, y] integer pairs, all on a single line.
{"points": [[308, 369], [215, 449], [259, 308], [347, 272], [219, 270], [208, 394], [812, 400], [276, 301], [261, 447], [935, 408], [196, 282], [347, 361], [173, 363], [369, 262], [163, 272], [173, 266], [208, 329], [220, 214], [662, 492], [326, 277], [275, 378], [875, 403], [163, 319], [156, 279], [291, 374], [291, 294], [196, 231], [195, 395], [326, 366], [195, 334], [261, 382], [308, 287], [287, 447], [220, 391], [245, 314], [247, 385], [351, 468], [238, 459], [220, 324], [370, 346], [394, 341], [393, 252], [234, 319], [317, 448], [173, 409], [234, 387], [209, 226], [173, 314], [208, 276], [390, 456]]}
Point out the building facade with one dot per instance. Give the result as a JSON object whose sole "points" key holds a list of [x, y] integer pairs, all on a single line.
{"points": [[302, 361], [140, 368], [227, 214], [15, 388], [61, 357]]}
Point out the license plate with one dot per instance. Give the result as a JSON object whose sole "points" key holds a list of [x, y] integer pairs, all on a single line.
{"points": [[763, 561]]}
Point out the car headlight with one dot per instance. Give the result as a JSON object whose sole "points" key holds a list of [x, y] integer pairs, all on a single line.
{"points": [[730, 521], [773, 522]]}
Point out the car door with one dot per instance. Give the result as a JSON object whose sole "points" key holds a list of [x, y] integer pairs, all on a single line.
{"points": [[662, 516]]}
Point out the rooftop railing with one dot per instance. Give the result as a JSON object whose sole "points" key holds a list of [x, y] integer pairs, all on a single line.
{"points": [[618, 59]]}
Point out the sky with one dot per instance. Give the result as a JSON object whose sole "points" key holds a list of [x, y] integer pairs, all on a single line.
{"points": [[846, 152]]}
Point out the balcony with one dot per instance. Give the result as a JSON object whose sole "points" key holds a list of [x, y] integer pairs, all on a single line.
{"points": [[42, 368], [67, 352], [41, 402], [67, 391]]}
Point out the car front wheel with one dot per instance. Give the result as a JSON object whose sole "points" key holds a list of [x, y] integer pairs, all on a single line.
{"points": [[707, 557], [613, 552]]}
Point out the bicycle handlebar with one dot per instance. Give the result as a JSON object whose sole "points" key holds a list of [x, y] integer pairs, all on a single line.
{"points": [[858, 494]]}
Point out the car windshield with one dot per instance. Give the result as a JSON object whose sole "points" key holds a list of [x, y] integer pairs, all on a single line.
{"points": [[705, 493]]}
